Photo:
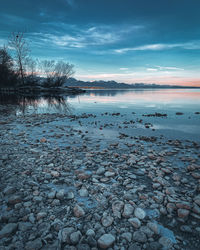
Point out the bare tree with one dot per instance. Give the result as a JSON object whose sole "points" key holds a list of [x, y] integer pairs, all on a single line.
{"points": [[21, 50], [56, 73]]}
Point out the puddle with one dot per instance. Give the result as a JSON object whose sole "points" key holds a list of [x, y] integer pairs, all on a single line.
{"points": [[87, 201]]}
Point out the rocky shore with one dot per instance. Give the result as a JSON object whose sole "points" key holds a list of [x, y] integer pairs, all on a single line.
{"points": [[61, 188]]}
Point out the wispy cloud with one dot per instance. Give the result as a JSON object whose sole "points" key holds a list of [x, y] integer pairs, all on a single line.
{"points": [[168, 68], [165, 69], [161, 46], [152, 69], [71, 3], [73, 36], [124, 68]]}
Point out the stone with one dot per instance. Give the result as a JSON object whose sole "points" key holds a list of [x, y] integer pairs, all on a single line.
{"points": [[106, 240], [166, 242], [135, 222], [60, 194], [183, 213], [134, 246], [139, 213], [14, 199], [9, 190], [154, 246], [8, 229], [128, 210], [64, 234], [52, 195], [83, 192], [197, 199], [55, 173], [109, 174], [154, 227], [24, 226], [117, 207], [100, 171], [75, 237], [196, 209], [139, 237], [41, 215], [83, 247], [78, 211], [90, 232], [107, 221], [127, 236], [34, 245], [70, 195]]}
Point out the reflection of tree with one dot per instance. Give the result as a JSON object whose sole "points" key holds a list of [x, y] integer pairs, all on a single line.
{"points": [[22, 104]]}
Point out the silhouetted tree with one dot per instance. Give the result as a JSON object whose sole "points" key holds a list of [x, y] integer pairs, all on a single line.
{"points": [[21, 52], [56, 73], [7, 75]]}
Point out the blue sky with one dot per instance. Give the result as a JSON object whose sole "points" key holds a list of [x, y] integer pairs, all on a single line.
{"points": [[151, 41]]}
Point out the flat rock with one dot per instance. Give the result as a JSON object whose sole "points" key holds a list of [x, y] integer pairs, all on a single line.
{"points": [[106, 240], [8, 229], [78, 211], [139, 213]]}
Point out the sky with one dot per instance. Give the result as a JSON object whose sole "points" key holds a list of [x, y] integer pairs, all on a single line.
{"points": [[132, 41]]}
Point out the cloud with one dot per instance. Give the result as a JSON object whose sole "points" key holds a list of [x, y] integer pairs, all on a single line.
{"points": [[161, 46], [124, 68], [151, 69], [71, 3], [168, 68], [81, 37]]}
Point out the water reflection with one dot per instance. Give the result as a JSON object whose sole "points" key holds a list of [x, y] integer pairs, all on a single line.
{"points": [[21, 105], [103, 100]]}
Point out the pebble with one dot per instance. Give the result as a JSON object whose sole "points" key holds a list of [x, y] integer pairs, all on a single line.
{"points": [[106, 241]]}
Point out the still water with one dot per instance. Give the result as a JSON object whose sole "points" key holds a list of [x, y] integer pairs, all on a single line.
{"points": [[182, 107]]}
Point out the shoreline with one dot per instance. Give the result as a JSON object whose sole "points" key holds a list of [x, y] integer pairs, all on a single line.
{"points": [[62, 188]]}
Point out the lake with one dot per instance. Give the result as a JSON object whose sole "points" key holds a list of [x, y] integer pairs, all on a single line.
{"points": [[181, 107]]}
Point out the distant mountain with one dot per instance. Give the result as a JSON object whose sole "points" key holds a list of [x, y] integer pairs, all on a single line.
{"points": [[72, 82]]}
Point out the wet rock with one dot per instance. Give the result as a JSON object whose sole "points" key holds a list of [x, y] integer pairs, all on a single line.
{"points": [[166, 242], [83, 247], [196, 209], [91, 241], [64, 234], [34, 245], [83, 192], [107, 221], [9, 190], [55, 173], [109, 174], [24, 226], [78, 211], [197, 199], [134, 246], [128, 210], [8, 229], [70, 195], [41, 215], [183, 213], [139, 237], [100, 171], [14, 199], [135, 222], [186, 228], [75, 237], [106, 240], [154, 227], [117, 207], [60, 194], [127, 236], [52, 195], [139, 213]]}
